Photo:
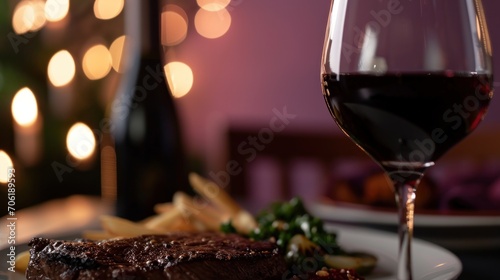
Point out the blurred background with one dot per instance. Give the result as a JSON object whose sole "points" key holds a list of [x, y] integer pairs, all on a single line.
{"points": [[244, 77]]}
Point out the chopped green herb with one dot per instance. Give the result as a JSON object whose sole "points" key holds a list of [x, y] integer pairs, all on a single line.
{"points": [[286, 223], [228, 227]]}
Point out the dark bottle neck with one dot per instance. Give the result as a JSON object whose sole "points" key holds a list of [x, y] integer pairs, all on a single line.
{"points": [[150, 28]]}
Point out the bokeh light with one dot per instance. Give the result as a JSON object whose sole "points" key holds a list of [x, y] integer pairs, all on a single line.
{"points": [[80, 141], [180, 78], [116, 51], [22, 17], [56, 10], [61, 69], [108, 9], [212, 24], [213, 5], [24, 107], [174, 25], [5, 164], [29, 15], [96, 62]]}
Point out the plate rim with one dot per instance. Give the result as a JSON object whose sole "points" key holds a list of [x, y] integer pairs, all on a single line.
{"points": [[348, 234], [354, 213]]}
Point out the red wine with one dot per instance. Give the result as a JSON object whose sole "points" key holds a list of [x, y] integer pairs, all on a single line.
{"points": [[407, 119]]}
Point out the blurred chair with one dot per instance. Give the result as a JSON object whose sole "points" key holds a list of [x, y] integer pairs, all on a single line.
{"points": [[266, 167], [480, 145], [274, 166]]}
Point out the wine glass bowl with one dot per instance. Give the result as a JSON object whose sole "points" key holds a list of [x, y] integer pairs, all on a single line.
{"points": [[407, 119], [406, 81]]}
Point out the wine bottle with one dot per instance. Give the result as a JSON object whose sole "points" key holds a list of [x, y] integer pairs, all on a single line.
{"points": [[145, 127]]}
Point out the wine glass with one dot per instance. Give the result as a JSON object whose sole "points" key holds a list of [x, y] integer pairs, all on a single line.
{"points": [[406, 80]]}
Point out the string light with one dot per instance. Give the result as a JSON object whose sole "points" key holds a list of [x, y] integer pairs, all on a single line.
{"points": [[5, 164], [180, 78], [212, 24], [56, 10], [80, 141], [61, 68], [29, 15], [108, 9], [96, 62], [213, 5], [24, 107], [174, 23], [116, 51]]}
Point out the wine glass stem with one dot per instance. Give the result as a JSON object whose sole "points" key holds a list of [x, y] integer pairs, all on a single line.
{"points": [[405, 185]]}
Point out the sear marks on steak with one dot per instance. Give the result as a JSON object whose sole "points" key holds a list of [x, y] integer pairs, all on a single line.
{"points": [[182, 255]]}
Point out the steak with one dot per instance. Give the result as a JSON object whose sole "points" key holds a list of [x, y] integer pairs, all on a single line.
{"points": [[182, 255]]}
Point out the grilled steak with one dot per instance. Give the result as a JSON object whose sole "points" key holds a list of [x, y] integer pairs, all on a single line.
{"points": [[171, 256]]}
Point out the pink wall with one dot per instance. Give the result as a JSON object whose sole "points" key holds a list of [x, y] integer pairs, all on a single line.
{"points": [[269, 59]]}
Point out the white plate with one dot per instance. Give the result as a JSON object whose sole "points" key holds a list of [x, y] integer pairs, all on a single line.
{"points": [[460, 232], [340, 212], [429, 261]]}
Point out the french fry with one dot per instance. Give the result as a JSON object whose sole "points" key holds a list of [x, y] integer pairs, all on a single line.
{"points": [[198, 225], [212, 192], [180, 220], [97, 235], [244, 222], [121, 227], [22, 260], [210, 209], [202, 214], [165, 220], [185, 224], [163, 207], [184, 213]]}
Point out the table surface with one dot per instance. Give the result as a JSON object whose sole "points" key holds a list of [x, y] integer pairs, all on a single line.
{"points": [[58, 217]]}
